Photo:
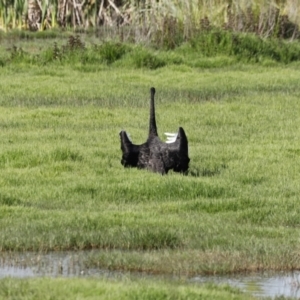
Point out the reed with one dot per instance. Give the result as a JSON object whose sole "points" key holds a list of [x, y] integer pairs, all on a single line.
{"points": [[166, 22]]}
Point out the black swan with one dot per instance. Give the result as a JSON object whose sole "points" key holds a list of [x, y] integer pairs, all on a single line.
{"points": [[156, 155]]}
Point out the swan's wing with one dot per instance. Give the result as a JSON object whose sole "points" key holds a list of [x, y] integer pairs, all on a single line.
{"points": [[126, 143], [130, 151]]}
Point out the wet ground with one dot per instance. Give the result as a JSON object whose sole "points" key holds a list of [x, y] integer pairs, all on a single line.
{"points": [[71, 264]]}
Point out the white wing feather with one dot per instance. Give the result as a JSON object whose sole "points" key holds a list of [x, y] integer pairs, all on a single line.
{"points": [[171, 137]]}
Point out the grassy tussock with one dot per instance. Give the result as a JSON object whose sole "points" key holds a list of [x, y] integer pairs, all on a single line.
{"points": [[195, 262]]}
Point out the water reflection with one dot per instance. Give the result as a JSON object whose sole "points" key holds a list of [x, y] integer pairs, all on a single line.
{"points": [[65, 264], [16, 272], [261, 284], [70, 264]]}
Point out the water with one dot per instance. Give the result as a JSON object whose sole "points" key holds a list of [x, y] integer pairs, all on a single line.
{"points": [[260, 284], [55, 264], [71, 264]]}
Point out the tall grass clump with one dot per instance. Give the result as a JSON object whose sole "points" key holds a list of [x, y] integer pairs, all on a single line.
{"points": [[246, 47], [110, 51], [210, 48], [143, 58], [74, 51]]}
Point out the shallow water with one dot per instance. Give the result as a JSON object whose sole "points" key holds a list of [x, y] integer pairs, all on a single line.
{"points": [[55, 264], [260, 284], [71, 264]]}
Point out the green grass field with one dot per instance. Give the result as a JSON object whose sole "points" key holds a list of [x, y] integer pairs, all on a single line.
{"points": [[62, 186]]}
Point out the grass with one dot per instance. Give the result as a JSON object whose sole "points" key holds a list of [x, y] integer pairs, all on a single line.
{"points": [[62, 186], [110, 289], [60, 167]]}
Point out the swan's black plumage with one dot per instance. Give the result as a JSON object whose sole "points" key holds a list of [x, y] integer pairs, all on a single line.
{"points": [[154, 154]]}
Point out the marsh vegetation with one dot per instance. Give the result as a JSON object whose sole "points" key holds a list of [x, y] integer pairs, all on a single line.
{"points": [[163, 21]]}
